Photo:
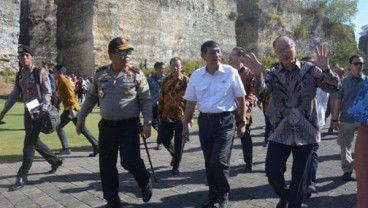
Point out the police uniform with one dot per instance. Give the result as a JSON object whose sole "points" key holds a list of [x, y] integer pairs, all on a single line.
{"points": [[122, 97], [27, 86]]}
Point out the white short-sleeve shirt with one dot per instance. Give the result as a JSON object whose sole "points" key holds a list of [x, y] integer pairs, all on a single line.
{"points": [[215, 93]]}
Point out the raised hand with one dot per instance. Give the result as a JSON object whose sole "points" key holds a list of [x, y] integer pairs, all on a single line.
{"points": [[252, 62], [322, 56]]}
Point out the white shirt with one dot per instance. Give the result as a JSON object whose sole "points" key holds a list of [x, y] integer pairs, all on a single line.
{"points": [[215, 93], [322, 100]]}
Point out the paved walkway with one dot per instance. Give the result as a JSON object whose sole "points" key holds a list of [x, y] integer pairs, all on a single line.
{"points": [[76, 184]]}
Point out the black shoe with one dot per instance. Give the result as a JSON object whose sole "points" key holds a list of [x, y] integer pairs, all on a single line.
{"points": [[94, 153], [175, 171], [147, 192], [248, 168], [66, 151], [330, 131], [347, 177], [55, 166], [282, 204], [19, 183], [210, 203]]}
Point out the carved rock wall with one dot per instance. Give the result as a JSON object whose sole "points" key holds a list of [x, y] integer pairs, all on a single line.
{"points": [[9, 30], [159, 29]]}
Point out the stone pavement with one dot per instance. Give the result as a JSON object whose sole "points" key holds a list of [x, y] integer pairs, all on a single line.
{"points": [[76, 184]]}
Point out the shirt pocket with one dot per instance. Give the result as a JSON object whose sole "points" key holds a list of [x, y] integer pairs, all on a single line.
{"points": [[222, 88]]}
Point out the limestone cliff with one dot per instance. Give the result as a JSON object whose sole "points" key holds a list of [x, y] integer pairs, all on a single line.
{"points": [[76, 33], [159, 29], [9, 30]]}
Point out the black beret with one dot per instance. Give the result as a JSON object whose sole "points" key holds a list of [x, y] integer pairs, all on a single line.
{"points": [[25, 49]]}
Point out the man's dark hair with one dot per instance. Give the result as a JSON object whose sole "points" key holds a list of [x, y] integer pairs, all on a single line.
{"points": [[60, 68], [239, 51], [209, 44], [175, 59], [353, 57], [158, 64]]}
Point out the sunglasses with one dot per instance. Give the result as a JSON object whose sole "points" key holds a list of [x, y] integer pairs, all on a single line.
{"points": [[125, 53], [358, 64]]}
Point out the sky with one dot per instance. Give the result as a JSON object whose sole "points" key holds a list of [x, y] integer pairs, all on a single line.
{"points": [[361, 17]]}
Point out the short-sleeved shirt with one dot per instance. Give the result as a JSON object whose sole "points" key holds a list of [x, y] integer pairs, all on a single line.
{"points": [[350, 88], [121, 96], [215, 93], [292, 108]]}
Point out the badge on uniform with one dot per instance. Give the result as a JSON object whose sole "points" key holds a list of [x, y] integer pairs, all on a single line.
{"points": [[101, 93], [143, 81], [44, 77]]}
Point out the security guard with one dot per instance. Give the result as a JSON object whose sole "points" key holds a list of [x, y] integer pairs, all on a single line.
{"points": [[27, 85], [122, 92]]}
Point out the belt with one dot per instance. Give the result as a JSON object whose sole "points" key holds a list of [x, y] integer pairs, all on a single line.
{"points": [[216, 115], [119, 122]]}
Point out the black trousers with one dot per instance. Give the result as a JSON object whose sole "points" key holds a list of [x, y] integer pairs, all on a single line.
{"points": [[120, 136], [32, 142], [156, 124], [216, 134], [312, 173], [167, 131], [64, 117], [247, 145], [277, 156]]}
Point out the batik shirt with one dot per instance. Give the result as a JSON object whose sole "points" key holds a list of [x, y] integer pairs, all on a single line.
{"points": [[171, 102], [292, 109]]}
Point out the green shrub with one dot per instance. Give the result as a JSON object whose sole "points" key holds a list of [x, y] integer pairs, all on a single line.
{"points": [[7, 75], [301, 32]]}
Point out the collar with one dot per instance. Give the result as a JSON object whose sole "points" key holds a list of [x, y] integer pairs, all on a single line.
{"points": [[280, 68], [361, 77], [203, 70]]}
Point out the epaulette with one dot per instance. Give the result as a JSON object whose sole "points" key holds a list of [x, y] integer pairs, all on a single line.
{"points": [[101, 68], [135, 69]]}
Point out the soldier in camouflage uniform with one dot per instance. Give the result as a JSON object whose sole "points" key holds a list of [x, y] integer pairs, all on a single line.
{"points": [[123, 93], [27, 85]]}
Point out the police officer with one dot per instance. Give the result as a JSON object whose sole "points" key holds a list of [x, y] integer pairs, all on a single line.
{"points": [[123, 92], [27, 85]]}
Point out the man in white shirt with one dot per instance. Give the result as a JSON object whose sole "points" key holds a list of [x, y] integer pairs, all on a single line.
{"points": [[215, 87]]}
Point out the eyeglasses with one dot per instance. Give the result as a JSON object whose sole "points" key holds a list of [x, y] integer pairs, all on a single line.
{"points": [[126, 53], [358, 64]]}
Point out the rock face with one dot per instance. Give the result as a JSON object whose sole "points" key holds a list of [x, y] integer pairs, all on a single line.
{"points": [[159, 29], [9, 30], [76, 33], [259, 23]]}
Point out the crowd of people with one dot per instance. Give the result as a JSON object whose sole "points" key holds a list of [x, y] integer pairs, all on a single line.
{"points": [[296, 96]]}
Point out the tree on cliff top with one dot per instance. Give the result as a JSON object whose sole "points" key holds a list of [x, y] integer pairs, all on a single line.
{"points": [[364, 30]]}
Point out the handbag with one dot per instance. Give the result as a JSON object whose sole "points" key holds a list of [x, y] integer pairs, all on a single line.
{"points": [[359, 109], [50, 120]]}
